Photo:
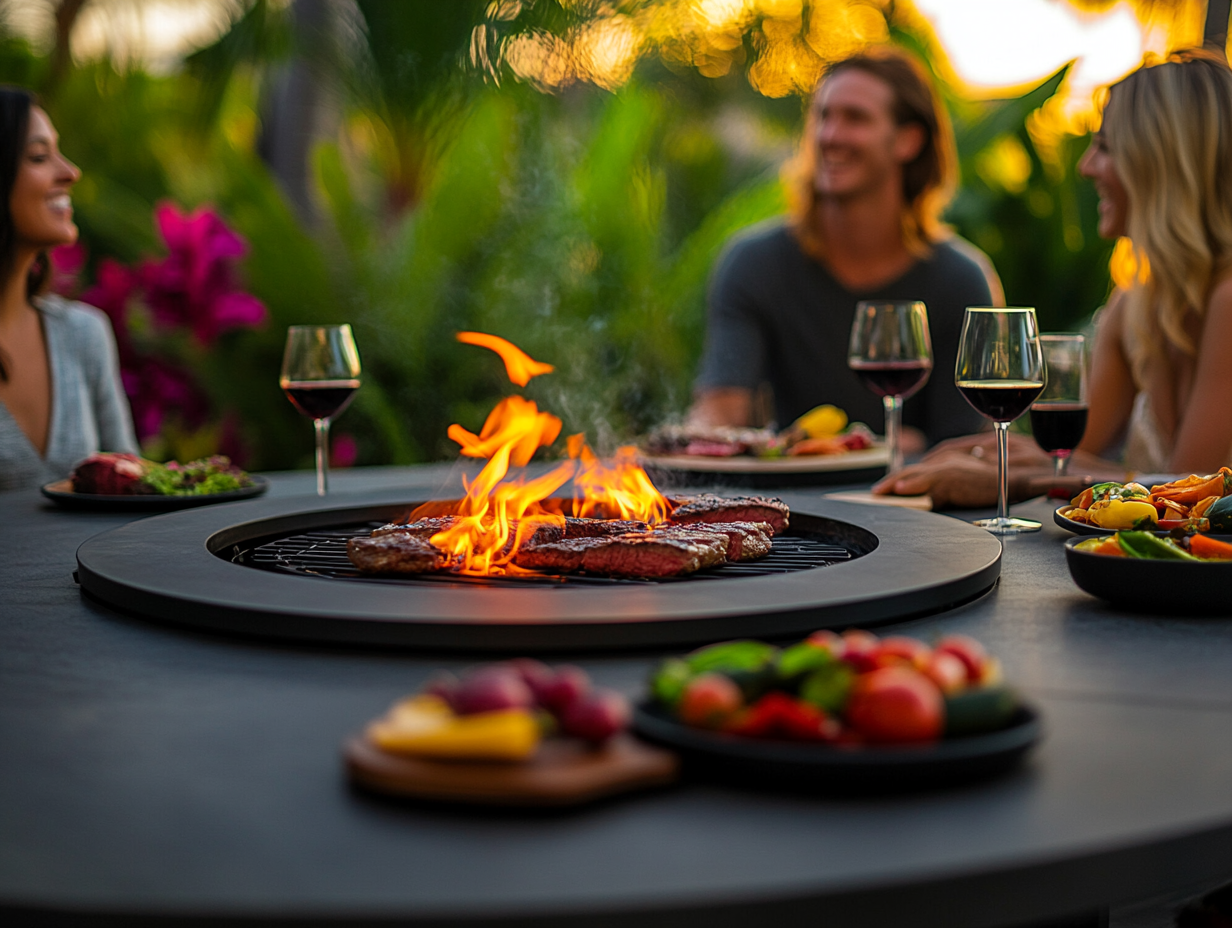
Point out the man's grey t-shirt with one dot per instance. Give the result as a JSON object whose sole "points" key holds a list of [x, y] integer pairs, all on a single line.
{"points": [[778, 316]]}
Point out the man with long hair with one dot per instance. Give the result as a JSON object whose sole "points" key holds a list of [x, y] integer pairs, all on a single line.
{"points": [[876, 166]]}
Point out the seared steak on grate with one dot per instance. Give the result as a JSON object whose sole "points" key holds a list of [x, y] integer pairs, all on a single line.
{"points": [[560, 556], [716, 544], [745, 540], [710, 508], [421, 528], [599, 528], [396, 552], [653, 554]]}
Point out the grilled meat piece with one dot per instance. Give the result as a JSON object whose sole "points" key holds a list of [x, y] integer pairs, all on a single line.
{"points": [[710, 508], [426, 528], [651, 555], [396, 552], [421, 528], [600, 528], [563, 557], [745, 540], [715, 543]]}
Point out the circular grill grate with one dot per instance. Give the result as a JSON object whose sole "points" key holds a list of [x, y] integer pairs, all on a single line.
{"points": [[322, 553]]}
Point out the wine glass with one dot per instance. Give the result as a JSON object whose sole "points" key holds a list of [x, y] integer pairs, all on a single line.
{"points": [[320, 374], [1000, 371], [891, 352], [1059, 413]]}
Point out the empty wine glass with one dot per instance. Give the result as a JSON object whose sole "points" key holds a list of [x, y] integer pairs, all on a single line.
{"points": [[1059, 413], [892, 353], [1000, 371], [320, 374]]}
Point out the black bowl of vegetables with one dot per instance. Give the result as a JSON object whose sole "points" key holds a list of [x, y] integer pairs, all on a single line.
{"points": [[1153, 572]]}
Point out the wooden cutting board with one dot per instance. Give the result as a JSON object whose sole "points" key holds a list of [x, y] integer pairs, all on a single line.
{"points": [[563, 772]]}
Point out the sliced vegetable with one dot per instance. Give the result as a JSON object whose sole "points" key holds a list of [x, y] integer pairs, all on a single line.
{"points": [[1146, 545], [978, 710], [731, 655], [1204, 546]]}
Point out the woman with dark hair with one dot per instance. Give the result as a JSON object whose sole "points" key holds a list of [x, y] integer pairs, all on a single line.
{"points": [[60, 393]]}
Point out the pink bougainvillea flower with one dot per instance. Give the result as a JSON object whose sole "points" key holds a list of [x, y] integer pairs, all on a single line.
{"points": [[113, 288], [66, 263], [343, 451], [158, 392], [195, 285]]}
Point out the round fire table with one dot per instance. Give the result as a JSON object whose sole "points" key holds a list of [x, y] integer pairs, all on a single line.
{"points": [[155, 772]]}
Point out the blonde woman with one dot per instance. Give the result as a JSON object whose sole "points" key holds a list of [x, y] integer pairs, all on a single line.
{"points": [[1161, 375]]}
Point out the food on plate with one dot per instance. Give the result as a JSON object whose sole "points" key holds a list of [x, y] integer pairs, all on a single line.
{"points": [[1194, 504], [702, 531], [822, 430], [1180, 547], [843, 689], [116, 474], [499, 712]]}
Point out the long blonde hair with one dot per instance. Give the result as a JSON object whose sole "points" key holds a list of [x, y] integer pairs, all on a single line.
{"points": [[929, 181], [1168, 127]]}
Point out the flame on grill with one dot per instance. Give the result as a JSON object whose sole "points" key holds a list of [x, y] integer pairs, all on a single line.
{"points": [[499, 515]]}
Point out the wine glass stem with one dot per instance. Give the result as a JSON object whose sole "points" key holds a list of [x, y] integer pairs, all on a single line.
{"points": [[894, 431], [1003, 470], [322, 428], [1060, 463]]}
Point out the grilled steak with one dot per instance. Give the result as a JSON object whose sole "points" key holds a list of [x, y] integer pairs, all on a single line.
{"points": [[560, 556], [710, 508], [745, 540], [421, 528], [599, 528], [426, 528], [396, 552], [716, 544], [653, 554]]}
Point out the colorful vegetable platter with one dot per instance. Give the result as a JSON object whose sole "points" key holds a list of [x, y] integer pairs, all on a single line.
{"points": [[1184, 575], [846, 712], [1193, 504]]}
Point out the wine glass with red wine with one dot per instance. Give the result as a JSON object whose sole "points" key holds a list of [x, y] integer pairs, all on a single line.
{"points": [[320, 374], [1000, 372], [1059, 413], [891, 352]]}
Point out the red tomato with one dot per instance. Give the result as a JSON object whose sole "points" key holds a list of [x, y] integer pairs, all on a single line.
{"points": [[709, 700], [858, 647], [967, 650], [900, 650], [947, 671], [828, 640], [896, 704]]}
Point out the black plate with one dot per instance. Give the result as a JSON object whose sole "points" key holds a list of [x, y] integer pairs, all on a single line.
{"points": [[61, 493], [1177, 588], [854, 767], [1078, 528]]}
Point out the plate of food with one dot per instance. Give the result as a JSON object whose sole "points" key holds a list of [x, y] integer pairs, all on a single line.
{"points": [[1192, 504], [846, 712], [127, 482], [819, 447], [514, 733], [1179, 574]]}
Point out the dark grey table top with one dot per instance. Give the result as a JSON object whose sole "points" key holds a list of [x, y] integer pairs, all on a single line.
{"points": [[151, 770]]}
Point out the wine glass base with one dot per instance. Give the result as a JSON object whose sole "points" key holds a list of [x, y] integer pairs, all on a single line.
{"points": [[1000, 526]]}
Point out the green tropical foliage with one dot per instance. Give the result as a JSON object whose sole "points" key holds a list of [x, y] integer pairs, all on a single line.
{"points": [[580, 225]]}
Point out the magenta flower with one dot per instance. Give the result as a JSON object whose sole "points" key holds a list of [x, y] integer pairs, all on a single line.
{"points": [[113, 288], [158, 392], [195, 285], [66, 263]]}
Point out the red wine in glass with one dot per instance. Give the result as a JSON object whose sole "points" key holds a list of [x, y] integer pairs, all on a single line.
{"points": [[320, 399], [1058, 427], [1000, 400], [893, 378]]}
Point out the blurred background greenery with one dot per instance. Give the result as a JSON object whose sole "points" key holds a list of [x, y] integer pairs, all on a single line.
{"points": [[559, 172]]}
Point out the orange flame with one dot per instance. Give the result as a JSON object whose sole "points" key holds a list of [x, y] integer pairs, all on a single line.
{"points": [[520, 366], [619, 490], [498, 515]]}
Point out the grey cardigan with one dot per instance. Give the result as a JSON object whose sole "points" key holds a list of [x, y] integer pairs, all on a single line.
{"points": [[89, 411]]}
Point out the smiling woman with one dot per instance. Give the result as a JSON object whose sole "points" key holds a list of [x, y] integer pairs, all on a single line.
{"points": [[60, 394]]}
